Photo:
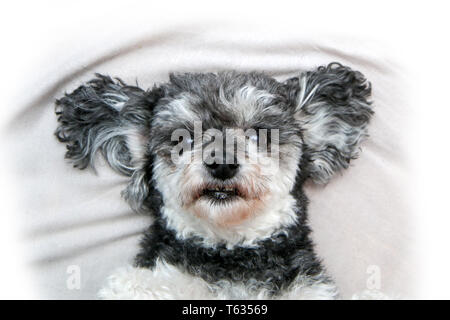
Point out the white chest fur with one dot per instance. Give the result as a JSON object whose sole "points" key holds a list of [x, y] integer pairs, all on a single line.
{"points": [[168, 282]]}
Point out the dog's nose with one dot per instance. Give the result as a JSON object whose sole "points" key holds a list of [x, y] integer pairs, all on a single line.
{"points": [[222, 171]]}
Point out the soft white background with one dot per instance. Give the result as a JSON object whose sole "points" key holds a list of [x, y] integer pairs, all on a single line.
{"points": [[416, 34]]}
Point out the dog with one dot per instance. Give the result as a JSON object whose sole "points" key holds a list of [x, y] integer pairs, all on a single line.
{"points": [[229, 221]]}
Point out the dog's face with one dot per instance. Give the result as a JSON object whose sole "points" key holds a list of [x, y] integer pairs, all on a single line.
{"points": [[221, 149], [227, 148]]}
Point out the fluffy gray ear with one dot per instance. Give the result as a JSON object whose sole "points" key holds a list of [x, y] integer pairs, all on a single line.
{"points": [[333, 110], [107, 116]]}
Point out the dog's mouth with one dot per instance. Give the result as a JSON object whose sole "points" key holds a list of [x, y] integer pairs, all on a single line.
{"points": [[221, 193]]}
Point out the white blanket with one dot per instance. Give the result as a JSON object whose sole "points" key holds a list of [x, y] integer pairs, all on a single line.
{"points": [[76, 220]]}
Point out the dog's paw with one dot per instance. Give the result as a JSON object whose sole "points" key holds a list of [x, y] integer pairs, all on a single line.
{"points": [[128, 283], [163, 282]]}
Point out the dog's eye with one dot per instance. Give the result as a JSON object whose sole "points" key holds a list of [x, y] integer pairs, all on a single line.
{"points": [[175, 142], [261, 134], [253, 137], [183, 141], [182, 144]]}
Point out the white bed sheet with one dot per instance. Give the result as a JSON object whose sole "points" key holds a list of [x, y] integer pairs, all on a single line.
{"points": [[77, 218]]}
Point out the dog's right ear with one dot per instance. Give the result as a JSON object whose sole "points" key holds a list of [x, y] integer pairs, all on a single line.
{"points": [[107, 116], [333, 109]]}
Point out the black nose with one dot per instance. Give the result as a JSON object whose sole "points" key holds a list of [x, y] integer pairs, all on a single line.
{"points": [[222, 171]]}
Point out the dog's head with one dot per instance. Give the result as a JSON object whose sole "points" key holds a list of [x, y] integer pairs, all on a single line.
{"points": [[222, 148]]}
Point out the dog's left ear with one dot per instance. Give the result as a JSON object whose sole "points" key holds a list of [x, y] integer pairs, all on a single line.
{"points": [[332, 107], [107, 116], [114, 119]]}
